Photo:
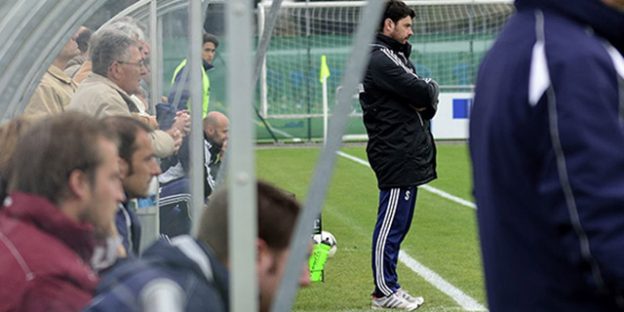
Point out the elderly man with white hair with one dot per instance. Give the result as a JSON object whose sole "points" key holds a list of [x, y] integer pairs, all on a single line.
{"points": [[117, 69]]}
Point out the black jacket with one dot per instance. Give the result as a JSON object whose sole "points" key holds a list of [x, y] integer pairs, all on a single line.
{"points": [[400, 148]]}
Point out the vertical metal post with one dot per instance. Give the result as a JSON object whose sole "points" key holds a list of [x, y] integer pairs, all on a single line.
{"points": [[242, 216], [161, 60], [308, 73], [194, 68], [358, 58], [154, 57], [263, 70]]}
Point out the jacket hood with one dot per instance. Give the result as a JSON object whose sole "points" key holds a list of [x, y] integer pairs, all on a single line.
{"points": [[606, 22]]}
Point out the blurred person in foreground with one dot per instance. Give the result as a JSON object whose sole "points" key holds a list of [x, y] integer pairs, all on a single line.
{"points": [[188, 274], [63, 194], [10, 134], [547, 146], [398, 105]]}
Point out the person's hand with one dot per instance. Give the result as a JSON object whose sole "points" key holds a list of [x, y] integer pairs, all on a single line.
{"points": [[147, 119], [434, 92], [182, 122], [223, 149], [177, 138], [151, 121]]}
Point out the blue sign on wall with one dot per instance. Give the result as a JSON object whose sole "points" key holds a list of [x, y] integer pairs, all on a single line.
{"points": [[461, 108]]}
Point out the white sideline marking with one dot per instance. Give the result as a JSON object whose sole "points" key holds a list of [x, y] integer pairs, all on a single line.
{"points": [[465, 301], [427, 188]]}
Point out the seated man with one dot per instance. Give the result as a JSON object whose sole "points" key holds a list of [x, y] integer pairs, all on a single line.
{"points": [[56, 88], [138, 167], [63, 197], [193, 272], [174, 193], [118, 67]]}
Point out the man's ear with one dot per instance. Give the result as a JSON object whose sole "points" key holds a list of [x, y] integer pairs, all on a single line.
{"points": [[114, 70], [124, 168], [264, 257], [388, 24], [78, 184]]}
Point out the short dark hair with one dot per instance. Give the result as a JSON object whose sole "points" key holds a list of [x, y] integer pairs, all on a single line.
{"points": [[126, 128], [83, 40], [54, 147], [396, 10], [208, 37], [277, 216]]}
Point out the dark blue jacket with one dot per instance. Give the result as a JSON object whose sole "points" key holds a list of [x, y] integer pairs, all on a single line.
{"points": [[186, 262], [129, 228], [547, 146]]}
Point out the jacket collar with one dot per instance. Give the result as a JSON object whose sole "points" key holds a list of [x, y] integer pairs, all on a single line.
{"points": [[207, 66], [394, 45], [94, 78], [60, 75], [42, 214], [97, 79]]}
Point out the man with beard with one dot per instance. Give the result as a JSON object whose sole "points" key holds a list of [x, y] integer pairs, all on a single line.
{"points": [[398, 105], [63, 193]]}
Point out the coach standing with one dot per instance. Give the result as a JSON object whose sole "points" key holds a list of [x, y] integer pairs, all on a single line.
{"points": [[397, 106]]}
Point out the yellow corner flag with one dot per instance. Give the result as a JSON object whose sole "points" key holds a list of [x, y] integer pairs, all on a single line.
{"points": [[324, 73]]}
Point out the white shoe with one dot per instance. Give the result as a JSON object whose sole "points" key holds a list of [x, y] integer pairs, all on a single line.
{"points": [[410, 298], [395, 301]]}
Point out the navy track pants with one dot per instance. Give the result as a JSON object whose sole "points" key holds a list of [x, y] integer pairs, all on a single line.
{"points": [[394, 217]]}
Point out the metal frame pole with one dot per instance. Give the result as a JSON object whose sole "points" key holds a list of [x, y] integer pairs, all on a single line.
{"points": [[242, 216], [154, 57], [194, 67]]}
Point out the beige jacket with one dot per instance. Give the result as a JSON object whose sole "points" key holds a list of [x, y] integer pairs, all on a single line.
{"points": [[83, 72], [100, 97], [52, 95]]}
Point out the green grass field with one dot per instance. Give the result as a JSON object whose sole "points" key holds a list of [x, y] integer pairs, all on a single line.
{"points": [[442, 237]]}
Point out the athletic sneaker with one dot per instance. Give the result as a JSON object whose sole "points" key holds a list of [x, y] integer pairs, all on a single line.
{"points": [[394, 301], [410, 298]]}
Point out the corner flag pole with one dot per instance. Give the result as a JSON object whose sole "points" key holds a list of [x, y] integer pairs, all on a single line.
{"points": [[323, 75]]}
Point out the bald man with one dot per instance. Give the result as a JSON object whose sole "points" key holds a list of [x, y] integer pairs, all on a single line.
{"points": [[216, 126], [174, 191]]}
